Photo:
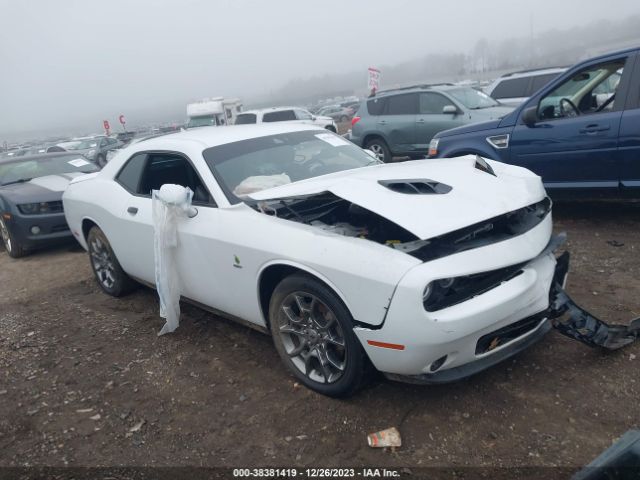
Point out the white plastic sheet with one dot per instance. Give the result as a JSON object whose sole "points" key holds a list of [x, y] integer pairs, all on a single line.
{"points": [[260, 182], [169, 205]]}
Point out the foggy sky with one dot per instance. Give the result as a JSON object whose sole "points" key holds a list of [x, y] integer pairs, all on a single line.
{"points": [[64, 63]]}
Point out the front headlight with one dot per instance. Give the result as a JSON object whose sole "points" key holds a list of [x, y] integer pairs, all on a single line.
{"points": [[40, 208], [433, 147], [90, 154]]}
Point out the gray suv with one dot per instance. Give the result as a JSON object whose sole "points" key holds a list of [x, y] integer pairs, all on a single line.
{"points": [[402, 122]]}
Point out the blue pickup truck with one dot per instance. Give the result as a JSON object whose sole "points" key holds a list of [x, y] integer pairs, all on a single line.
{"points": [[580, 132]]}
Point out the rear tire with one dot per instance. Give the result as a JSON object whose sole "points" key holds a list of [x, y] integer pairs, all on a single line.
{"points": [[11, 245], [106, 268], [313, 333], [380, 148]]}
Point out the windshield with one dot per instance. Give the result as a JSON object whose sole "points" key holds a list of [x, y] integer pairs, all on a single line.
{"points": [[473, 99], [25, 169], [201, 121], [248, 166], [82, 144]]}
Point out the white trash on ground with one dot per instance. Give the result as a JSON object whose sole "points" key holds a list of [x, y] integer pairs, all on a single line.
{"points": [[169, 204], [389, 437]]}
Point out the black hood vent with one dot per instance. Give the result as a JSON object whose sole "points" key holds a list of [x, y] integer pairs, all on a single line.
{"points": [[483, 166], [416, 186]]}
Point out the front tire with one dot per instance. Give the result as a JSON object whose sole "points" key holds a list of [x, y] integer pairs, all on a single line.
{"points": [[106, 268], [380, 148], [313, 333], [11, 245]]}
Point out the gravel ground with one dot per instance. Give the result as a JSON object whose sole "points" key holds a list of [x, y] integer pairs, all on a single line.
{"points": [[85, 381]]}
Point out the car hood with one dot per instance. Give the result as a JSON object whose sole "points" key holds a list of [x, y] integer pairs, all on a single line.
{"points": [[82, 151], [492, 113], [42, 189], [470, 128], [475, 195]]}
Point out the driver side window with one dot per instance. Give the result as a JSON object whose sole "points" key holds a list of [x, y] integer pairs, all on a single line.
{"points": [[590, 91]]}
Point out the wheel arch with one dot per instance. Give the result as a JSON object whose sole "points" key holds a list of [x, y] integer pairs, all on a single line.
{"points": [[469, 150], [272, 273], [86, 225], [373, 136]]}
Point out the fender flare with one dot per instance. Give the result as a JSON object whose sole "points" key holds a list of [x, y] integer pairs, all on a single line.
{"points": [[304, 268]]}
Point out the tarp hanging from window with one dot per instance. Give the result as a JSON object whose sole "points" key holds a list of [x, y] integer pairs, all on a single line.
{"points": [[169, 205]]}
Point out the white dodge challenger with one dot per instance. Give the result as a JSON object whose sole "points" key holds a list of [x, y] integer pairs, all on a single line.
{"points": [[428, 271]]}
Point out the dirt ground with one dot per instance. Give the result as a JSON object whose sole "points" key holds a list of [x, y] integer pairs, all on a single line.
{"points": [[85, 381]]}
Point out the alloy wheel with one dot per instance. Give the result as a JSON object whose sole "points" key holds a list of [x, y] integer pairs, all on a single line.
{"points": [[378, 151], [312, 337], [6, 238], [102, 263]]}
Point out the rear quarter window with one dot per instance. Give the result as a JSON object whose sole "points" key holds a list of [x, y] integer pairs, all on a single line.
{"points": [[512, 88], [376, 106], [245, 119]]}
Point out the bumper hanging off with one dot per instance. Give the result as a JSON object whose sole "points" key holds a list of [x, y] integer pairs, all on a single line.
{"points": [[580, 324]]}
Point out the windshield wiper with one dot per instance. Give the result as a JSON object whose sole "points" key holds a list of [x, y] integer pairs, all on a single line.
{"points": [[21, 180]]}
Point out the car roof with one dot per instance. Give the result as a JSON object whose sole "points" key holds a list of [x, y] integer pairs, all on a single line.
{"points": [[83, 139], [213, 136], [40, 156], [534, 71], [419, 88], [270, 109]]}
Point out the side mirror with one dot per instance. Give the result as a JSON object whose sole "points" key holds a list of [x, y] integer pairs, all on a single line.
{"points": [[449, 109], [530, 116], [313, 117]]}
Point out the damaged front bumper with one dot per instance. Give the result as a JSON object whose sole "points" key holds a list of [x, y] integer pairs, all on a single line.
{"points": [[580, 324], [562, 313]]}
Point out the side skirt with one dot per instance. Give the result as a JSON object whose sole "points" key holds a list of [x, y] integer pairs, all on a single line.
{"points": [[215, 311]]}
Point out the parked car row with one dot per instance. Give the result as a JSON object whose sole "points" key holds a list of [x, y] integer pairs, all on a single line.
{"points": [[580, 132], [285, 114], [31, 213], [93, 148], [402, 122]]}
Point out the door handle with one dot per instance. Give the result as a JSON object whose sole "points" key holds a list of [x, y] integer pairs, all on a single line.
{"points": [[420, 120], [594, 128], [132, 210], [382, 122]]}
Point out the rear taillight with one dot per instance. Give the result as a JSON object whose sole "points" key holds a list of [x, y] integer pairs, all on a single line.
{"points": [[354, 120]]}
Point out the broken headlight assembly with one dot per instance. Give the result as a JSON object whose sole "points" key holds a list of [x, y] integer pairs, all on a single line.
{"points": [[446, 292]]}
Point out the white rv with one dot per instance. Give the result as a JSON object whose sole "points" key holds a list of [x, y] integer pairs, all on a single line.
{"points": [[213, 111]]}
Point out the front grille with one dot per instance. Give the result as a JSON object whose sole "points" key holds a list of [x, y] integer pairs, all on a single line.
{"points": [[506, 334], [493, 230], [467, 287], [59, 228], [55, 207]]}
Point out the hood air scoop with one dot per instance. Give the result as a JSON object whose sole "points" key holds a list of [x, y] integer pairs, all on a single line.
{"points": [[416, 186]]}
